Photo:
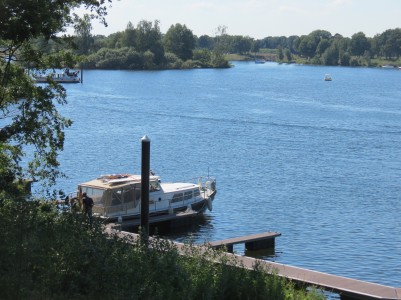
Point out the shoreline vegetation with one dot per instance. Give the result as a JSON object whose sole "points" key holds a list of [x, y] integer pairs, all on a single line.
{"points": [[271, 55], [53, 254], [145, 47]]}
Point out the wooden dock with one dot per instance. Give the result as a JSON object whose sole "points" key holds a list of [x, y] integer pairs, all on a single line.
{"points": [[347, 288], [252, 242], [178, 218]]}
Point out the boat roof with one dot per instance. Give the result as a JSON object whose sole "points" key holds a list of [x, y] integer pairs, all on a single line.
{"points": [[116, 180], [171, 187]]}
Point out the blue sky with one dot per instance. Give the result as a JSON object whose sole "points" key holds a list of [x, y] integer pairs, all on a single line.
{"points": [[258, 18]]}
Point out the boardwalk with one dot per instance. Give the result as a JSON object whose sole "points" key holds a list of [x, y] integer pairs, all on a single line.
{"points": [[252, 242], [177, 218], [347, 288]]}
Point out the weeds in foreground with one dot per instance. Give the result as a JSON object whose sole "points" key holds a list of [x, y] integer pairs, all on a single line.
{"points": [[48, 254]]}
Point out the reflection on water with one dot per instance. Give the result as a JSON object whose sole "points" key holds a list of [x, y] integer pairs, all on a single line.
{"points": [[190, 232], [265, 254]]}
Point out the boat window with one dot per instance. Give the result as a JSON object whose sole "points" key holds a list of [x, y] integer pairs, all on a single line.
{"points": [[187, 195], [196, 193], [128, 194], [116, 197], [137, 194], [177, 198], [95, 194]]}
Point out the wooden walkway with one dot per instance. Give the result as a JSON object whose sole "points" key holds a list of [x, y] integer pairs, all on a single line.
{"points": [[347, 288], [252, 242], [176, 217]]}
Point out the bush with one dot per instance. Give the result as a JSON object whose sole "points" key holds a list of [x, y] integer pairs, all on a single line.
{"points": [[172, 61], [354, 62]]}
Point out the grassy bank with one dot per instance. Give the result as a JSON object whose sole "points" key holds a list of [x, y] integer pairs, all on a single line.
{"points": [[54, 255]]}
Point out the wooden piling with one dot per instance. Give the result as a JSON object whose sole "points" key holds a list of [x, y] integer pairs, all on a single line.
{"points": [[145, 181]]}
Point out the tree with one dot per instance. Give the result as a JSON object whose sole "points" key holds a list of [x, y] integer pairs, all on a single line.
{"points": [[344, 59], [330, 57], [322, 46], [130, 36], [274, 42], [84, 38], [256, 46], [291, 42], [180, 41], [287, 54], [390, 41], [307, 44], [202, 56], [240, 44], [280, 54], [205, 41], [220, 47], [29, 119], [359, 44], [149, 37]]}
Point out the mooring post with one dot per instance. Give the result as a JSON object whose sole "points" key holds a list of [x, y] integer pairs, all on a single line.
{"points": [[82, 74], [145, 173]]}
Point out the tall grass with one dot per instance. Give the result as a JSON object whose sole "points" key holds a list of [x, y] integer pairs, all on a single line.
{"points": [[48, 254]]}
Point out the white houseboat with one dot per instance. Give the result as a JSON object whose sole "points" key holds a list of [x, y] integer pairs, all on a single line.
{"points": [[66, 76], [119, 196]]}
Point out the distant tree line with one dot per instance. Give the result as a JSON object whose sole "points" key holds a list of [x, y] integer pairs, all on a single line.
{"points": [[321, 47], [144, 47]]}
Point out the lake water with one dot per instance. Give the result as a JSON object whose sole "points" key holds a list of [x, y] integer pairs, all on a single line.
{"points": [[319, 162]]}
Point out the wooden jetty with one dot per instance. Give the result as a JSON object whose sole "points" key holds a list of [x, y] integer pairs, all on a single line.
{"points": [[347, 288], [177, 218], [252, 242]]}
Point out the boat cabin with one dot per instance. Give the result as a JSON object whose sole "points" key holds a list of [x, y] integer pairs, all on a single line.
{"points": [[120, 195]]}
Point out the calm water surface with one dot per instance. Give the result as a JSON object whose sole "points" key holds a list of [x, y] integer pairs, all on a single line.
{"points": [[318, 161]]}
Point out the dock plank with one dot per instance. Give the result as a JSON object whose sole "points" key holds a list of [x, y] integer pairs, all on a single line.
{"points": [[346, 287], [246, 238], [252, 242]]}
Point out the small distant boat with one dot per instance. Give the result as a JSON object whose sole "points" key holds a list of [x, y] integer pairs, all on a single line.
{"points": [[259, 61], [65, 77], [388, 67], [327, 77]]}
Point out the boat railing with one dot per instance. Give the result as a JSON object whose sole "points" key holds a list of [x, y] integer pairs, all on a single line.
{"points": [[206, 182], [111, 209]]}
